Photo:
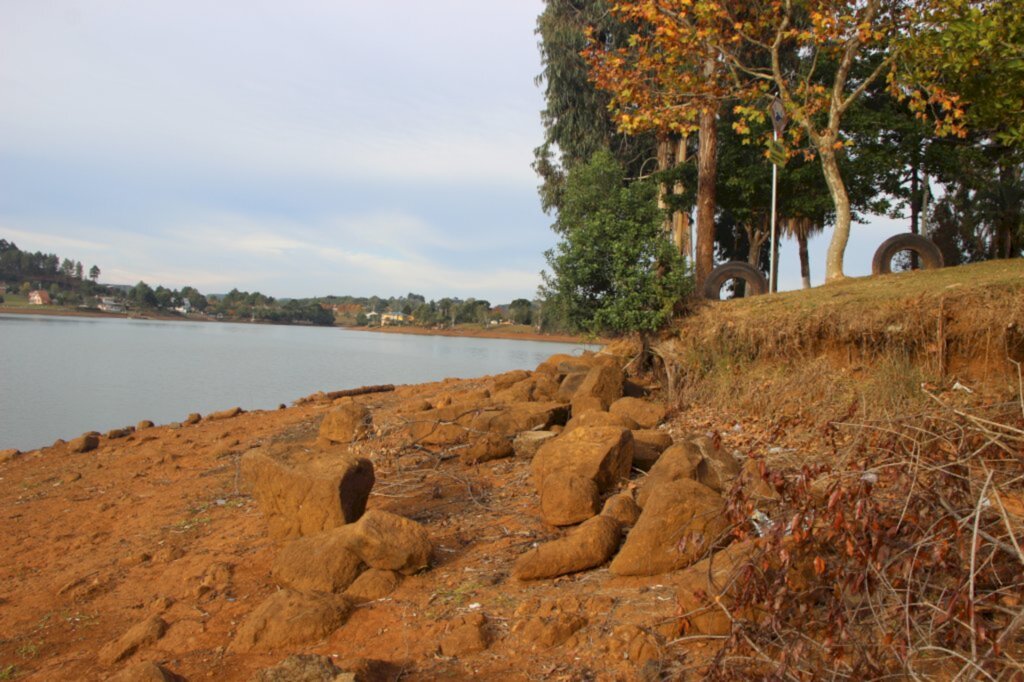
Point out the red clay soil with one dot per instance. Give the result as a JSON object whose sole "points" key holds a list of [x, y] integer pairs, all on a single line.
{"points": [[158, 523]]}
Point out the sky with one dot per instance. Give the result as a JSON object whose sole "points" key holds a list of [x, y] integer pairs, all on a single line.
{"points": [[300, 148]]}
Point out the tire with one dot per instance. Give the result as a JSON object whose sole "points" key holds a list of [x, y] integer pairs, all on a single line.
{"points": [[926, 250], [757, 283]]}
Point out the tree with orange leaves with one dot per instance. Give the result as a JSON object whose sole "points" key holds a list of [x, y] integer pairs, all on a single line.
{"points": [[817, 56]]}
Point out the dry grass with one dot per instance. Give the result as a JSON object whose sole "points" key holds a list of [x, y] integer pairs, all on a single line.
{"points": [[860, 348]]}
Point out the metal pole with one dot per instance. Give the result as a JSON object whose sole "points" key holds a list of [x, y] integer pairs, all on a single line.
{"points": [[775, 179]]}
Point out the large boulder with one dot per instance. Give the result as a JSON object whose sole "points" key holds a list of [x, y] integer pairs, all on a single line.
{"points": [[681, 461], [567, 499], [84, 443], [680, 522], [596, 418], [301, 668], [518, 417], [562, 364], [305, 496], [649, 444], [707, 583], [622, 508], [644, 412], [507, 380], [388, 541], [373, 584], [719, 468], [570, 384], [348, 422], [588, 545], [288, 618], [317, 563], [603, 454], [602, 385], [145, 671], [485, 448], [527, 443]]}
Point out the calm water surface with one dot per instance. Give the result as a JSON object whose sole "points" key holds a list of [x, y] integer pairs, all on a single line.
{"points": [[62, 376]]}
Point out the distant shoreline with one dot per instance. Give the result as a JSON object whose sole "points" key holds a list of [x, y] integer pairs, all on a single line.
{"points": [[480, 333]]}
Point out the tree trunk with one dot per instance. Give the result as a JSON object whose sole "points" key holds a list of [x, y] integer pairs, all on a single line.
{"points": [[707, 168], [681, 219], [805, 261], [915, 208], [841, 201], [664, 159]]}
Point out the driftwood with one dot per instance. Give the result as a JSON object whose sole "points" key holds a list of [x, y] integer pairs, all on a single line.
{"points": [[349, 392]]}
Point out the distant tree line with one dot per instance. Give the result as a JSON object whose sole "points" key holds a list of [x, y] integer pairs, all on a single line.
{"points": [[62, 278]]}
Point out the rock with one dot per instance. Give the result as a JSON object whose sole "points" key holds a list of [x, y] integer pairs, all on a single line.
{"points": [[622, 508], [570, 384], [373, 584], [9, 455], [300, 668], [589, 545], [349, 422], [465, 635], [519, 392], [603, 382], [719, 468], [757, 488], [507, 380], [678, 462], [568, 499], [526, 444], [680, 522], [84, 443], [707, 582], [139, 635], [115, 434], [428, 431], [545, 633], [305, 497], [603, 454], [562, 364], [226, 414], [648, 446], [145, 671], [144, 424], [644, 412], [317, 563], [596, 418], [288, 618], [193, 418], [519, 417], [388, 541], [485, 448], [545, 387]]}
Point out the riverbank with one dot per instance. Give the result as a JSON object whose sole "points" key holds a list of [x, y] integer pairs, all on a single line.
{"points": [[174, 547]]}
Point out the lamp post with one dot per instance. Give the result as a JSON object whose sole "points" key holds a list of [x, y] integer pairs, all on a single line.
{"points": [[778, 114]]}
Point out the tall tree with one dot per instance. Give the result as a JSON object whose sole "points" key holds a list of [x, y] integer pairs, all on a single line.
{"points": [[575, 115], [818, 56]]}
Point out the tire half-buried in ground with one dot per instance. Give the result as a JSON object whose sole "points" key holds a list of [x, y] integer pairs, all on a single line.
{"points": [[926, 250], [756, 282]]}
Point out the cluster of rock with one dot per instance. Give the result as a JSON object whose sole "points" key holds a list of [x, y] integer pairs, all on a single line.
{"points": [[335, 554]]}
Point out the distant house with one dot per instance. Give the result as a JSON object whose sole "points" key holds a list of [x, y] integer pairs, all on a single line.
{"points": [[395, 318], [186, 306], [38, 297], [111, 305]]}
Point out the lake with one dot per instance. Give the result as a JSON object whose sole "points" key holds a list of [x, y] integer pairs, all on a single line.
{"points": [[63, 376]]}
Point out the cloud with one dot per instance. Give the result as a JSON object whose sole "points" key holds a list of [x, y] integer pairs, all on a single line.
{"points": [[47, 242]]}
